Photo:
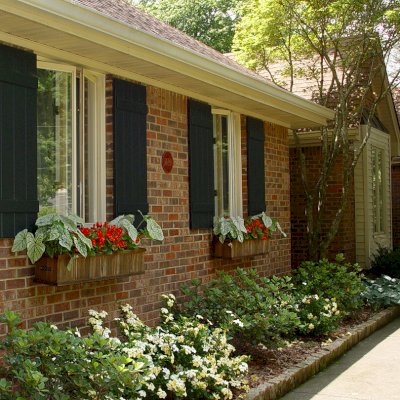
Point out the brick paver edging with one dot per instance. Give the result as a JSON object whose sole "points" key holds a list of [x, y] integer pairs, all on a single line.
{"points": [[294, 377]]}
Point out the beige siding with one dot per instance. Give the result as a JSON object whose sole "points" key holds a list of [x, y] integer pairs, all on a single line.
{"points": [[367, 242]]}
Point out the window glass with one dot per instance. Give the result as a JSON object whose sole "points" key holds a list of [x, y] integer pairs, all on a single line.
{"points": [[71, 142], [227, 159], [55, 133], [378, 206], [222, 164]]}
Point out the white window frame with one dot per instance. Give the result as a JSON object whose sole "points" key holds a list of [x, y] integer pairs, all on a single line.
{"points": [[99, 185], [234, 163]]}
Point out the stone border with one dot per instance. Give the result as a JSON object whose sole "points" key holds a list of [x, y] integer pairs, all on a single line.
{"points": [[278, 386]]}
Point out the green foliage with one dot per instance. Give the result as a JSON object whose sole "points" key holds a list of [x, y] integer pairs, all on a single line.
{"points": [[259, 226], [229, 228], [209, 21], [252, 308], [338, 280], [182, 358], [326, 293], [56, 234], [339, 48], [45, 363], [386, 261], [382, 291], [318, 315]]}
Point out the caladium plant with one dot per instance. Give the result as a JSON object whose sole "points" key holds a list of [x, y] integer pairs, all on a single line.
{"points": [[259, 226], [58, 234]]}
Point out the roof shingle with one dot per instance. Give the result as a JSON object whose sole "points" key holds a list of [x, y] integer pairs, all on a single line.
{"points": [[124, 12]]}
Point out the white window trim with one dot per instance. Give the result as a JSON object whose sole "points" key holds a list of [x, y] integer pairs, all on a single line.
{"points": [[100, 139], [99, 146], [234, 161]]}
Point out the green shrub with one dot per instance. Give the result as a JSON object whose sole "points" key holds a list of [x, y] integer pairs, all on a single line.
{"points": [[182, 358], [383, 291], [47, 363], [255, 309], [338, 280], [318, 315], [386, 261], [326, 293]]}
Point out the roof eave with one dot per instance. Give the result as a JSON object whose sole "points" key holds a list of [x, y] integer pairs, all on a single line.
{"points": [[82, 21]]}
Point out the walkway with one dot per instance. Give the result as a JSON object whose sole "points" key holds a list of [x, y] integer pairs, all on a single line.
{"points": [[370, 371]]}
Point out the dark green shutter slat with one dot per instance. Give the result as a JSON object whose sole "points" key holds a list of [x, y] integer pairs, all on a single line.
{"points": [[18, 141], [130, 160], [255, 166], [201, 165]]}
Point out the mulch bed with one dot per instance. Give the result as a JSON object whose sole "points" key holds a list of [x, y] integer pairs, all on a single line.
{"points": [[267, 363]]}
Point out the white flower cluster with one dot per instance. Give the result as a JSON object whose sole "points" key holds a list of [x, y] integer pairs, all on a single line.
{"points": [[181, 358], [329, 309]]}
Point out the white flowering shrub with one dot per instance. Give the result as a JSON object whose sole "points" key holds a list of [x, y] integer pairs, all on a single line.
{"points": [[326, 292], [318, 315], [184, 357], [46, 363], [253, 309]]}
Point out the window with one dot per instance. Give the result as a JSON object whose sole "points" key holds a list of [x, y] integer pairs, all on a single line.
{"points": [[227, 163], [378, 197], [71, 141]]}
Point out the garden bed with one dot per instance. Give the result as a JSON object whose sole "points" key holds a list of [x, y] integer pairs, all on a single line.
{"points": [[275, 372]]}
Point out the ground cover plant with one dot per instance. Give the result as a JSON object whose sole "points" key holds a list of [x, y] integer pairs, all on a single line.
{"points": [[382, 291], [180, 358]]}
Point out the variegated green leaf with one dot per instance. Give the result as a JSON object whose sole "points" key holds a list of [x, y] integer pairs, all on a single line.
{"points": [[117, 220], [225, 226], [238, 222], [266, 220], [54, 233], [36, 249], [69, 223], [66, 240], [154, 230], [80, 246], [84, 239], [278, 226], [20, 242], [131, 230], [47, 219], [70, 262], [76, 219]]}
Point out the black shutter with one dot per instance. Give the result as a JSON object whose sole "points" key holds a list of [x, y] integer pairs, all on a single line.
{"points": [[130, 161], [18, 141], [255, 166], [201, 165]]}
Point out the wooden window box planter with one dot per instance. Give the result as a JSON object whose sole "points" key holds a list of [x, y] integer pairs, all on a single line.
{"points": [[236, 249], [53, 271]]}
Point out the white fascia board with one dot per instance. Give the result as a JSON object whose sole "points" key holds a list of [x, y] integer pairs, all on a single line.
{"points": [[91, 25]]}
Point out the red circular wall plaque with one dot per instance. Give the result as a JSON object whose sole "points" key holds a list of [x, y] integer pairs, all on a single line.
{"points": [[167, 162]]}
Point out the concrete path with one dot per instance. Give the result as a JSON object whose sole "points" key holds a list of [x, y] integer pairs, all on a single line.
{"points": [[369, 371]]}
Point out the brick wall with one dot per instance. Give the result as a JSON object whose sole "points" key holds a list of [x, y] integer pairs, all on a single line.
{"points": [[345, 239], [185, 254], [396, 204]]}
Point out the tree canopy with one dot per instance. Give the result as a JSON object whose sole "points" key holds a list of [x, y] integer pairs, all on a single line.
{"points": [[339, 47], [209, 21]]}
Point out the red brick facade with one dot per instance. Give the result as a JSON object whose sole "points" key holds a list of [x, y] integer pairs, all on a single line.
{"points": [[185, 254], [345, 239]]}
